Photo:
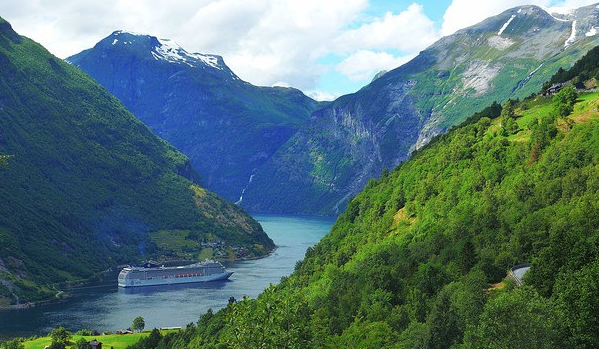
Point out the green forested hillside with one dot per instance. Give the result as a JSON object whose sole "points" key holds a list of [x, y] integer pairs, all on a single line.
{"points": [[418, 258], [85, 182], [583, 70]]}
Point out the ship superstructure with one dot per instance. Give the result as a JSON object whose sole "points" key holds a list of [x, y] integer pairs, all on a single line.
{"points": [[160, 275]]}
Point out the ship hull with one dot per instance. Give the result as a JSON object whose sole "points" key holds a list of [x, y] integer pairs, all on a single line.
{"points": [[174, 281]]}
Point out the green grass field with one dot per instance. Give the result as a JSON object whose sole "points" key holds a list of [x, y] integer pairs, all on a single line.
{"points": [[586, 107], [117, 341]]}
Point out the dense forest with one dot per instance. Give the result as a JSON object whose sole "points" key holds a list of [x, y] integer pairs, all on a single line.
{"points": [[419, 259], [583, 70]]}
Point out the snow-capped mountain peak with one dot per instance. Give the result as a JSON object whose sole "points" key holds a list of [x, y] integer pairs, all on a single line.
{"points": [[165, 49], [171, 51]]}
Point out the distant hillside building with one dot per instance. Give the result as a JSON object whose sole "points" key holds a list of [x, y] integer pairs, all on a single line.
{"points": [[517, 273], [555, 88], [94, 344]]}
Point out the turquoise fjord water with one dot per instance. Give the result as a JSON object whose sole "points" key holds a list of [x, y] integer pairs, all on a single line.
{"points": [[105, 307]]}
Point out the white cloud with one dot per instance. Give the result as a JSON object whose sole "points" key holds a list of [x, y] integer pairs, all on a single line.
{"points": [[363, 65], [323, 96], [281, 84], [408, 31], [288, 39], [464, 13], [263, 41]]}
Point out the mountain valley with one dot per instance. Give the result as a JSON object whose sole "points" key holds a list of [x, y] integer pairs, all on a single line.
{"points": [[86, 186], [445, 175]]}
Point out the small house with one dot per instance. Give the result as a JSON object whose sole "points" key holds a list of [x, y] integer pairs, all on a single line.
{"points": [[555, 88], [94, 344], [517, 273]]}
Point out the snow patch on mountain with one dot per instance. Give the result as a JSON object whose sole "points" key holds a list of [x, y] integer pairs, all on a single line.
{"points": [[504, 27], [560, 10], [129, 32], [572, 37], [207, 59], [592, 32], [563, 13], [170, 51]]}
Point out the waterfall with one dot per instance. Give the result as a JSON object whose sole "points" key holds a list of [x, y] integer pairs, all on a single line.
{"points": [[243, 191]]}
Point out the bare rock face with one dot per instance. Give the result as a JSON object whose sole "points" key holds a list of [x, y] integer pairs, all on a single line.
{"points": [[351, 141]]}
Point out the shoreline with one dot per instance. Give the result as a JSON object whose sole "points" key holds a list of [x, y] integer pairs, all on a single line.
{"points": [[62, 295]]}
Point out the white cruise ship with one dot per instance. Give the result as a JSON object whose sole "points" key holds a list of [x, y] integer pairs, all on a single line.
{"points": [[161, 275]]}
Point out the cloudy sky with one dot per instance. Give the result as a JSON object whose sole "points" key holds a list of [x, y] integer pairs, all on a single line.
{"points": [[324, 47]]}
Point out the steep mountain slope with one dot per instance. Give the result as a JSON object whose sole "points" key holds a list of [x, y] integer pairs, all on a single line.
{"points": [[226, 126], [345, 144], [86, 183], [418, 258]]}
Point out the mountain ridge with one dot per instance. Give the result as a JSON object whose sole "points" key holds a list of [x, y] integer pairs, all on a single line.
{"points": [[160, 49], [358, 135], [201, 108]]}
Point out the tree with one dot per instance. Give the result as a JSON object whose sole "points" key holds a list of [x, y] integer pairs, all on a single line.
{"points": [[4, 160], [60, 338], [81, 344], [150, 342], [563, 101], [84, 332], [507, 111], [511, 126], [153, 339], [138, 324], [467, 257], [576, 295], [365, 334], [13, 344], [516, 319], [443, 322], [508, 115], [56, 345]]}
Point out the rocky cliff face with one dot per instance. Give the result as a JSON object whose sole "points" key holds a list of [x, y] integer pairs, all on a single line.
{"points": [[351, 141], [227, 127]]}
